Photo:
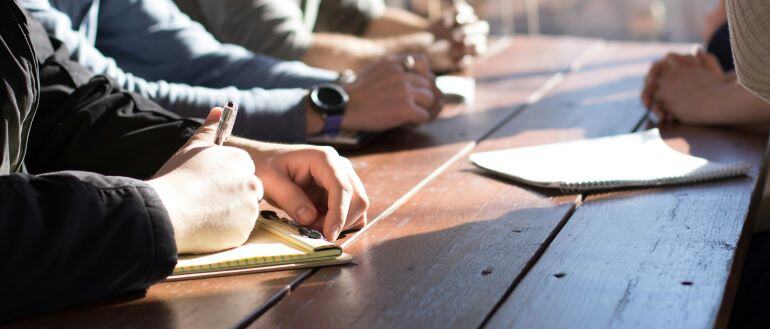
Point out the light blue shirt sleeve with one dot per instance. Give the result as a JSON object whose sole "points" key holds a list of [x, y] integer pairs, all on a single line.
{"points": [[176, 63]]}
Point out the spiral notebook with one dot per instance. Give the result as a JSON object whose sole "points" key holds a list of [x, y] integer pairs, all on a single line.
{"points": [[633, 160], [274, 244]]}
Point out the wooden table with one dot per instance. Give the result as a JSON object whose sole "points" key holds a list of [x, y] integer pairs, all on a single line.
{"points": [[450, 246]]}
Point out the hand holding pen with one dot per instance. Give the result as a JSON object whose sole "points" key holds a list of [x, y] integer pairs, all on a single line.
{"points": [[210, 192]]}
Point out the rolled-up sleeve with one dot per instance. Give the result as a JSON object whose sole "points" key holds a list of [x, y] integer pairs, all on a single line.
{"points": [[750, 38], [274, 28], [348, 16]]}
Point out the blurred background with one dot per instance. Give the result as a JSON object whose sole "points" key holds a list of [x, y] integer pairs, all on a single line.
{"points": [[648, 20]]}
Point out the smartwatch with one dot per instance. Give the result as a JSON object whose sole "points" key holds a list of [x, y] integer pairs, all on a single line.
{"points": [[330, 101]]}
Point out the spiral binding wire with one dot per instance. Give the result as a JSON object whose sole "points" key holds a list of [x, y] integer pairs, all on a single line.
{"points": [[701, 175]]}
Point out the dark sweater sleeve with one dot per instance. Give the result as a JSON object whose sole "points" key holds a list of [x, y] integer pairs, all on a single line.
{"points": [[87, 123], [99, 128], [72, 237]]}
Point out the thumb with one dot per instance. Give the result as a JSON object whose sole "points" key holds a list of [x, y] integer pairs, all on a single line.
{"points": [[710, 62], [206, 133], [287, 195]]}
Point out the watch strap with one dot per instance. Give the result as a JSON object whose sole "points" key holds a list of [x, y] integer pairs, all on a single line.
{"points": [[332, 124]]}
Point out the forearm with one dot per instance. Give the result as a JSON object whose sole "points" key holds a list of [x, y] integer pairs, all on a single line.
{"points": [[396, 22], [340, 52], [73, 237], [738, 106]]}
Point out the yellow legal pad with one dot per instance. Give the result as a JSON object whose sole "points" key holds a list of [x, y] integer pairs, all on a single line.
{"points": [[275, 244]]}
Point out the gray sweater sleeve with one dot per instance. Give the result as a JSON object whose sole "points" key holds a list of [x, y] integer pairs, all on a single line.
{"points": [[749, 23], [274, 28], [188, 71], [281, 28], [348, 16]]}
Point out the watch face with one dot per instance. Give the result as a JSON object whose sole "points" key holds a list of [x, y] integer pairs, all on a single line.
{"points": [[330, 99]]}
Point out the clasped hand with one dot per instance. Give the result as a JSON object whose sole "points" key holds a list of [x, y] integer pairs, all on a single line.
{"points": [[460, 35], [685, 88]]}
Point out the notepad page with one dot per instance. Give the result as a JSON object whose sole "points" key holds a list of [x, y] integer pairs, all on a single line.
{"points": [[261, 248], [627, 160]]}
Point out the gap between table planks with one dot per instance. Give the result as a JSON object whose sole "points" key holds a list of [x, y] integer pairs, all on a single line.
{"points": [[506, 82], [449, 264], [652, 258]]}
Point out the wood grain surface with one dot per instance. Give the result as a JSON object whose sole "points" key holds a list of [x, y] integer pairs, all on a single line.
{"points": [[390, 168], [451, 253], [652, 258], [454, 247], [401, 159]]}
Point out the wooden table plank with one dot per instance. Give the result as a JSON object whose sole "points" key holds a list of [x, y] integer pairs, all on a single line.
{"points": [[390, 168], [401, 159], [447, 257], [653, 258]]}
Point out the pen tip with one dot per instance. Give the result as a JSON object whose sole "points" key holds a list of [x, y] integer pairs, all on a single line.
{"points": [[230, 104]]}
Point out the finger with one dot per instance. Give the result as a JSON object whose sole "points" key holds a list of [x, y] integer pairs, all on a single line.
{"points": [[656, 108], [438, 105], [650, 83], [287, 195], [417, 114], [424, 97], [658, 104], [206, 133], [474, 41], [421, 65], [480, 48], [339, 195], [461, 50], [360, 223], [669, 118], [711, 62], [418, 81], [698, 56], [336, 217], [686, 60], [480, 28], [359, 202]]}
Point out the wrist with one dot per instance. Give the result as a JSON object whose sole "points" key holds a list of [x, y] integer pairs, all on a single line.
{"points": [[414, 42], [315, 122], [329, 102], [166, 191], [713, 104]]}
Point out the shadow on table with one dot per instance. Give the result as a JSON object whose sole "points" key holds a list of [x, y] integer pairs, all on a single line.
{"points": [[588, 67], [127, 311], [540, 191], [469, 126], [451, 272], [225, 299]]}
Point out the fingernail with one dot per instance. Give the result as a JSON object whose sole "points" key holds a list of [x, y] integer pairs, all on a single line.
{"points": [[306, 215], [335, 234]]}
